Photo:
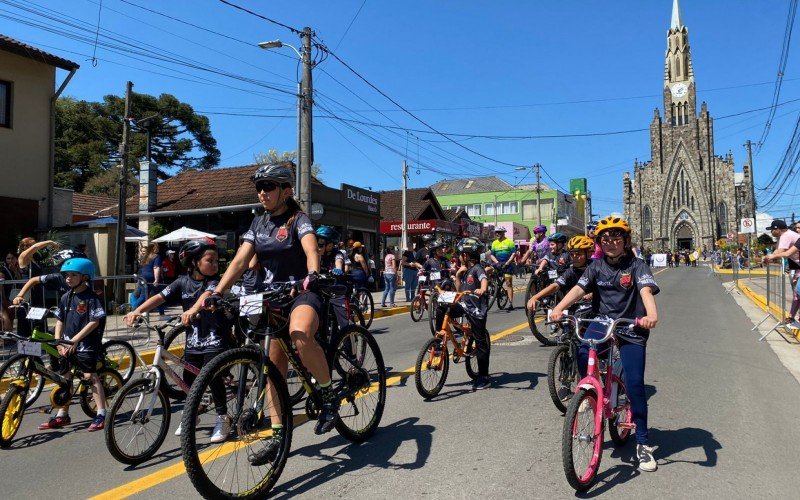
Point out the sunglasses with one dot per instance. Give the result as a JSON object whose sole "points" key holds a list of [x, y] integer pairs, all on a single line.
{"points": [[608, 240], [266, 186]]}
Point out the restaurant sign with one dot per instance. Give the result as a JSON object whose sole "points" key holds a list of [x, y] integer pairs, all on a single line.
{"points": [[361, 199]]}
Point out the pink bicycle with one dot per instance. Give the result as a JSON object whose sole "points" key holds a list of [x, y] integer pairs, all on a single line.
{"points": [[585, 420]]}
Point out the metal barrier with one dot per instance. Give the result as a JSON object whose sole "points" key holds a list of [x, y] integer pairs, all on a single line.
{"points": [[779, 295]]}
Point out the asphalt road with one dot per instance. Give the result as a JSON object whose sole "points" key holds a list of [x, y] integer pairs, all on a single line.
{"points": [[723, 417]]}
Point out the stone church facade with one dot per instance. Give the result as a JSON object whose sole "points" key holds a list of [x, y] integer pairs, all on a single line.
{"points": [[685, 196]]}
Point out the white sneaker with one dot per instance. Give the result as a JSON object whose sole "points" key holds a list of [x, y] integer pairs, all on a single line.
{"points": [[644, 454], [178, 430], [222, 429]]}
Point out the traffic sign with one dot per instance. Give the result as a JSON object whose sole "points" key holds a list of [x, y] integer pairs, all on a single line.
{"points": [[748, 225]]}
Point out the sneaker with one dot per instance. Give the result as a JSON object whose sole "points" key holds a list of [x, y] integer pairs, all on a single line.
{"points": [[392, 305], [329, 413], [179, 429], [55, 423], [98, 424], [510, 308], [222, 430], [269, 452], [645, 455], [481, 383], [383, 305]]}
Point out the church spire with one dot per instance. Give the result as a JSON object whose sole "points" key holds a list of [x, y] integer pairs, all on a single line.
{"points": [[676, 15]]}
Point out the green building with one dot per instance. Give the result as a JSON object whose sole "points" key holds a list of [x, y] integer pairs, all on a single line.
{"points": [[491, 200]]}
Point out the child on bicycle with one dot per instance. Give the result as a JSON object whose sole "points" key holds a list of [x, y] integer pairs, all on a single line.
{"points": [[580, 250], [558, 258], [81, 320], [471, 277], [208, 333], [622, 287]]}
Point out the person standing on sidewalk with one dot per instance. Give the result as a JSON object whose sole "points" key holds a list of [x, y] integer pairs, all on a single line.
{"points": [[389, 278], [785, 248], [410, 268]]}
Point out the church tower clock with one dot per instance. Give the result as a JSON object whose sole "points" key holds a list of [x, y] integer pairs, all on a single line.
{"points": [[679, 90]]}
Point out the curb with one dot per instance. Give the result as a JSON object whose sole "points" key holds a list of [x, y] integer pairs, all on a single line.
{"points": [[756, 272], [761, 302]]}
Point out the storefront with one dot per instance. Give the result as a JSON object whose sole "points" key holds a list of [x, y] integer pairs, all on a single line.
{"points": [[420, 232]]}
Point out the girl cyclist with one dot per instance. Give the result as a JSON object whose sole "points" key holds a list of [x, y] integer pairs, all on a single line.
{"points": [[580, 249], [622, 286]]}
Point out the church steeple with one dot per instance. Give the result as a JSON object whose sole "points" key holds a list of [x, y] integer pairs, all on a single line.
{"points": [[679, 88]]}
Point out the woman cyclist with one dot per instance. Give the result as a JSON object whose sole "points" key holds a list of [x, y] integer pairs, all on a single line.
{"points": [[622, 287], [540, 246], [284, 241]]}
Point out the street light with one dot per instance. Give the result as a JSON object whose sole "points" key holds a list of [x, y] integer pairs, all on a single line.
{"points": [[277, 44]]}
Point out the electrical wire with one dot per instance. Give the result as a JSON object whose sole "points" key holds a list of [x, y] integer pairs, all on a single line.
{"points": [[265, 18], [346, 31]]}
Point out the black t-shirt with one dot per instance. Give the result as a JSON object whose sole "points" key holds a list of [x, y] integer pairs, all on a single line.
{"points": [[408, 257], [615, 291], [328, 260], [251, 279], [438, 264], [560, 262], [278, 246], [76, 310], [569, 278], [33, 270], [211, 330], [471, 281], [54, 281]]}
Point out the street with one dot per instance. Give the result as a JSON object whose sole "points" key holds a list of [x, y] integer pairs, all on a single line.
{"points": [[722, 411]]}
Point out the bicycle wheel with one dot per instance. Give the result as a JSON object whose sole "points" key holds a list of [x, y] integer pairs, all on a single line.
{"points": [[619, 428], [581, 441], [492, 291], [562, 375], [120, 356], [133, 436], [14, 367], [12, 409], [502, 297], [112, 383], [430, 370], [546, 334], [534, 285], [294, 385], [472, 360], [417, 308], [223, 470], [174, 342], [363, 300], [432, 304], [360, 380]]}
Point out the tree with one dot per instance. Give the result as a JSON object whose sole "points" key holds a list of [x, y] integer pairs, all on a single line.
{"points": [[88, 136], [272, 156], [106, 183]]}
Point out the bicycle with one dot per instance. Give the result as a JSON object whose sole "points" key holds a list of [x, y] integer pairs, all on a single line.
{"points": [[437, 283], [419, 304], [562, 367], [549, 333], [497, 287], [361, 300], [357, 375], [596, 401], [433, 360], [12, 407]]}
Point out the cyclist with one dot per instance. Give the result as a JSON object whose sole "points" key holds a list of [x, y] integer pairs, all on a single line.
{"points": [[501, 256], [82, 320], [471, 277], [436, 260], [540, 245], [286, 245], [52, 281], [558, 257], [332, 259], [580, 249], [622, 286], [208, 333]]}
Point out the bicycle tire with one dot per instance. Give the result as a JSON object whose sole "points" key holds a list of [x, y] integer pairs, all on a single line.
{"points": [[417, 309], [532, 288], [366, 305], [561, 368], [13, 367], [120, 422], [502, 298], [12, 409], [172, 389], [583, 478], [471, 363], [492, 289], [359, 357], [432, 304], [198, 457], [112, 383], [620, 436], [544, 333], [433, 357], [120, 356]]}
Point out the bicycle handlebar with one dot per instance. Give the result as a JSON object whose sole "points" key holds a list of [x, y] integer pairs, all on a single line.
{"points": [[15, 336], [611, 325]]}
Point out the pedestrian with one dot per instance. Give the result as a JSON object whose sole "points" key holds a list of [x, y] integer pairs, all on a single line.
{"points": [[169, 267], [9, 270], [389, 278], [786, 241], [373, 272], [150, 271], [410, 267], [30, 267], [359, 268]]}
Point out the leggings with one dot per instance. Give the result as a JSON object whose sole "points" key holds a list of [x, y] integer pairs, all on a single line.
{"points": [[633, 362], [483, 345], [217, 387]]}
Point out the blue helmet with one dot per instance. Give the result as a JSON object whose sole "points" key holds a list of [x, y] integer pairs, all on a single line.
{"points": [[328, 233], [558, 238], [80, 265]]}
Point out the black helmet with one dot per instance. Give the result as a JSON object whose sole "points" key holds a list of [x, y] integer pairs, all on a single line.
{"points": [[278, 173], [558, 238], [193, 250], [471, 246], [436, 245]]}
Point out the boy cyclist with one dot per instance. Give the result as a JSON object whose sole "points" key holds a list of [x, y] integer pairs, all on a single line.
{"points": [[580, 249], [81, 320], [622, 286], [557, 258]]}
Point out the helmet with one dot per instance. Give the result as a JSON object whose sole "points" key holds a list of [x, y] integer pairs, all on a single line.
{"points": [[472, 246], [558, 238], [580, 243], [278, 173], [436, 245], [540, 229], [328, 233], [428, 237], [499, 229], [80, 265], [612, 222], [193, 250], [64, 255]]}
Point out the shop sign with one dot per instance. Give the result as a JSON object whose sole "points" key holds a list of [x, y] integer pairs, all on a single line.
{"points": [[471, 229], [361, 199], [317, 211], [413, 227]]}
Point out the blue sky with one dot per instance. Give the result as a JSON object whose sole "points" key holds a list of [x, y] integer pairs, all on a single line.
{"points": [[468, 67]]}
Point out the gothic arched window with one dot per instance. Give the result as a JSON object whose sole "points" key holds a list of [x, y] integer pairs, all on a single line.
{"points": [[674, 203], [647, 224], [723, 217], [678, 69], [692, 202]]}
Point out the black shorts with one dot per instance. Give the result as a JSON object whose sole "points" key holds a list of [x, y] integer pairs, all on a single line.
{"points": [[308, 299], [88, 360]]}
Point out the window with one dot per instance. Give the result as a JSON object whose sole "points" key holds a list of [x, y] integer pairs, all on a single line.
{"points": [[5, 104], [647, 224], [723, 217], [503, 208], [473, 210]]}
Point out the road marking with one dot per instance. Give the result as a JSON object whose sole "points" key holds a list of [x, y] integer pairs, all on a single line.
{"points": [[178, 469]]}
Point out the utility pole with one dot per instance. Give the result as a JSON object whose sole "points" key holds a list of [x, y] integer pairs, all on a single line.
{"points": [[494, 208], [538, 167], [297, 176], [403, 221], [749, 146], [119, 255], [307, 143]]}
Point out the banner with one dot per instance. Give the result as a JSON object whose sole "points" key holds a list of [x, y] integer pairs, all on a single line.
{"points": [[659, 260]]}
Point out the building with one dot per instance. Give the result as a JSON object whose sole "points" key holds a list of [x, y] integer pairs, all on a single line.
{"points": [[685, 196], [425, 218], [27, 127], [491, 200]]}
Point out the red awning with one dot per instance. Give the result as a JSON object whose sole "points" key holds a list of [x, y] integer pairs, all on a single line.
{"points": [[427, 226]]}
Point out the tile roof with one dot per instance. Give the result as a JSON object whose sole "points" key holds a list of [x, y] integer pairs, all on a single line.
{"points": [[88, 204], [472, 185], [452, 214], [417, 201], [8, 44]]}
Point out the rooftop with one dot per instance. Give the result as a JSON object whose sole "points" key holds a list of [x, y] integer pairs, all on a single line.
{"points": [[8, 44]]}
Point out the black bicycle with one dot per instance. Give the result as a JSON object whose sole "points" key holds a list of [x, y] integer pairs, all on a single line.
{"points": [[546, 334], [497, 287], [562, 367]]}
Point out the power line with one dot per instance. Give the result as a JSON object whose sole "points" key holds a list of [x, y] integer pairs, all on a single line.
{"points": [[265, 18], [350, 25]]}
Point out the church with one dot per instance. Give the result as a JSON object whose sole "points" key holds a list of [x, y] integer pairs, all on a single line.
{"points": [[685, 196]]}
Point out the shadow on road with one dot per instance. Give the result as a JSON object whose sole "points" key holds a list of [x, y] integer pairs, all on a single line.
{"points": [[375, 453]]}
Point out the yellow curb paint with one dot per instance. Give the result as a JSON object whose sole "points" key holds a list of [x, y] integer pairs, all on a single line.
{"points": [[761, 302], [175, 470]]}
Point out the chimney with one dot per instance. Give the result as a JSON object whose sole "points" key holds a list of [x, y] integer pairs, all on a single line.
{"points": [[148, 185]]}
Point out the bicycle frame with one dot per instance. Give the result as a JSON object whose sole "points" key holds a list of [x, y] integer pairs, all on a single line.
{"points": [[449, 324]]}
